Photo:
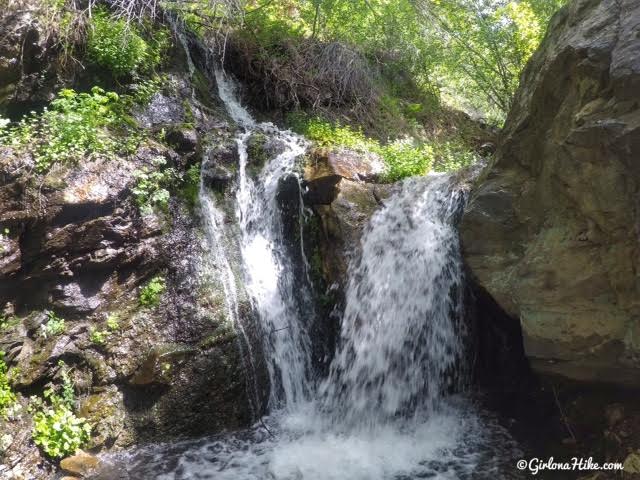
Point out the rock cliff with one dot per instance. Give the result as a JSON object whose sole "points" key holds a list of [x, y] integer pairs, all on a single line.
{"points": [[551, 230], [75, 245]]}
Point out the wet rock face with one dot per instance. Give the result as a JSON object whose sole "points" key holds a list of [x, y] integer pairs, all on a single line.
{"points": [[28, 76], [551, 230], [74, 244], [64, 240], [335, 188]]}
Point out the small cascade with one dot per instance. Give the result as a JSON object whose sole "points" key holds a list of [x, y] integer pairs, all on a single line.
{"points": [[401, 339], [268, 272], [217, 264]]}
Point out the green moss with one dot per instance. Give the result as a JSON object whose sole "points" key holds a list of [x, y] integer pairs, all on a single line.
{"points": [[224, 333]]}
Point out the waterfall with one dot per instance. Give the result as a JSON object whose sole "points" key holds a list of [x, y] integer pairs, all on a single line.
{"points": [[217, 264], [390, 407], [268, 272], [401, 340]]}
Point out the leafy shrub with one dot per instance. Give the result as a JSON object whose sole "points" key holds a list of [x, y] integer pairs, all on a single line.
{"points": [[451, 155], [75, 125], [54, 326], [325, 133], [402, 160], [119, 47], [56, 427], [152, 186], [143, 91], [59, 431], [7, 397], [150, 294]]}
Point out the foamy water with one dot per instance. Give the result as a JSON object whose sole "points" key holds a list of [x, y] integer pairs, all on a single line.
{"points": [[457, 442]]}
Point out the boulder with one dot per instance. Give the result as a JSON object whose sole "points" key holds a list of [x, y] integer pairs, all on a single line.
{"points": [[338, 186], [551, 228], [80, 464], [326, 167]]}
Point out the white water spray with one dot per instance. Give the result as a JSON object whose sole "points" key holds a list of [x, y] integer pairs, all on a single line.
{"points": [[269, 275]]}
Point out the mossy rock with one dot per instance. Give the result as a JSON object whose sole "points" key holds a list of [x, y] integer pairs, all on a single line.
{"points": [[160, 364], [257, 154], [105, 412]]}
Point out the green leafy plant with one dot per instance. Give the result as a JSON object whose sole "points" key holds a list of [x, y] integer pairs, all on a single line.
{"points": [[402, 159], [8, 321], [152, 186], [451, 155], [57, 429], [99, 337], [150, 294], [190, 187], [53, 327], [144, 90], [75, 125], [113, 324], [7, 397], [119, 46]]}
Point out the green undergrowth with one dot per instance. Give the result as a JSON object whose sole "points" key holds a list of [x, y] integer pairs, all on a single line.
{"points": [[402, 158], [156, 183], [152, 186], [77, 125], [56, 427], [125, 48], [7, 396]]}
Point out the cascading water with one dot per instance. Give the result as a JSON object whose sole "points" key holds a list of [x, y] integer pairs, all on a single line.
{"points": [[401, 341], [269, 276], [386, 409]]}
